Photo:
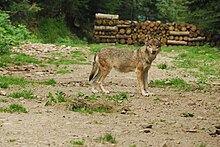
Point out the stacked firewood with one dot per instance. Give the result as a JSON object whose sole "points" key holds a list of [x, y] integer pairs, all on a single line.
{"points": [[109, 29], [105, 29], [125, 29], [185, 34]]}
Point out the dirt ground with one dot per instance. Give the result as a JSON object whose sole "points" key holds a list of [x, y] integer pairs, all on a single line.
{"points": [[153, 121]]}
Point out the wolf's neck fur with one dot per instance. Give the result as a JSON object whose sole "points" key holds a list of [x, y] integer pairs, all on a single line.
{"points": [[145, 55]]}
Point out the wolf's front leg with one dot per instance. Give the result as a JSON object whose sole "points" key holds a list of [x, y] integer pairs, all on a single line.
{"points": [[146, 83], [140, 79]]}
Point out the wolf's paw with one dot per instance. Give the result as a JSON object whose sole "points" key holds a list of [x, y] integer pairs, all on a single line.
{"points": [[147, 94]]}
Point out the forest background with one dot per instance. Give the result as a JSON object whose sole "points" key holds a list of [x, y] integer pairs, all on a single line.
{"points": [[69, 21]]}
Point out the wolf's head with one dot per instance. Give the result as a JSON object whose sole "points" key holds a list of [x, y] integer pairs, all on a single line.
{"points": [[153, 46]]}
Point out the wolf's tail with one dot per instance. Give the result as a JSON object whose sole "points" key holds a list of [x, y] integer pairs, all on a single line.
{"points": [[94, 68]]}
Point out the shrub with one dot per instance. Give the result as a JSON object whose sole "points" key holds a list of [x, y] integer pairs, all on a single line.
{"points": [[11, 35]]}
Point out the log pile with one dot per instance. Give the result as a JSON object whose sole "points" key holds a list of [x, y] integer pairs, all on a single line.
{"points": [[185, 34], [109, 29], [105, 29]]}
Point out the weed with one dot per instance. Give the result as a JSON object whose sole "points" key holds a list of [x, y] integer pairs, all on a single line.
{"points": [[77, 142], [118, 97], [157, 100], [106, 138], [218, 107], [186, 115], [58, 99], [175, 83], [162, 66], [202, 145], [13, 108], [80, 94], [24, 94], [11, 140], [133, 145]]}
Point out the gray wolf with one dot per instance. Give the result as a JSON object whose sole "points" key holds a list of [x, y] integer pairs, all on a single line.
{"points": [[125, 61]]}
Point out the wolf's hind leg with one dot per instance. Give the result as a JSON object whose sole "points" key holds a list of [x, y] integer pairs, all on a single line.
{"points": [[104, 73]]}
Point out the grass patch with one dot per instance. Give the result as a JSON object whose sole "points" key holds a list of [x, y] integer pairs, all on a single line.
{"points": [[162, 66], [204, 58], [24, 94], [13, 108], [106, 138], [3, 100], [12, 140], [174, 83], [76, 57], [77, 142], [94, 48], [63, 71], [6, 81], [17, 59]]}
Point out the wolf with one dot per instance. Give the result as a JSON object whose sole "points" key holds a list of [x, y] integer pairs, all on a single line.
{"points": [[124, 61]]}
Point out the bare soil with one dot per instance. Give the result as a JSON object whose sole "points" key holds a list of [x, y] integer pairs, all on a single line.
{"points": [[148, 121]]}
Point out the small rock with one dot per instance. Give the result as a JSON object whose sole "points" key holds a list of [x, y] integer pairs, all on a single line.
{"points": [[2, 93], [145, 131], [147, 126]]}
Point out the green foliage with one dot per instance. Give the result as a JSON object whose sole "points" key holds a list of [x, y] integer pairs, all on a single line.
{"points": [[106, 138], [53, 30], [11, 35], [51, 82], [91, 110], [174, 83], [24, 94], [13, 108]]}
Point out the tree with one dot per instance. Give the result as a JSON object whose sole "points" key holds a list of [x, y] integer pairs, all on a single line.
{"points": [[206, 14], [172, 10]]}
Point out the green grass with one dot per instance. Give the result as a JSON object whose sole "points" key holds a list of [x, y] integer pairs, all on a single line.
{"points": [[63, 71], [17, 59], [174, 83], [12, 108], [204, 58], [3, 100], [106, 138], [94, 48], [77, 143], [6, 81], [76, 57], [24, 94]]}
